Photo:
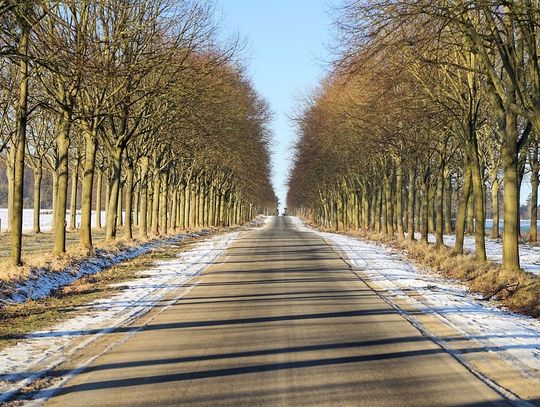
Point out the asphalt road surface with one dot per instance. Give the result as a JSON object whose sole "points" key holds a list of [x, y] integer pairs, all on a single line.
{"points": [[280, 320]]}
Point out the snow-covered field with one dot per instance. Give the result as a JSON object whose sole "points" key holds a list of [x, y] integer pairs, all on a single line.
{"points": [[45, 219], [529, 255], [513, 337], [41, 351]]}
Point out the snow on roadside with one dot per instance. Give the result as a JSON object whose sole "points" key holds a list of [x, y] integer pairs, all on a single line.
{"points": [[515, 338], [42, 282], [51, 347]]}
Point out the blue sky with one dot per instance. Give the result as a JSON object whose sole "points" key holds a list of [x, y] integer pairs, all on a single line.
{"points": [[286, 49]]}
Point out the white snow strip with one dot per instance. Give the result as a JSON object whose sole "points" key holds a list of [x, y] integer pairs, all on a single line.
{"points": [[42, 282], [18, 364], [515, 338]]}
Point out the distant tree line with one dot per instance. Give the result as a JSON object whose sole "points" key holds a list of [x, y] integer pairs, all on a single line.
{"points": [[128, 106]]}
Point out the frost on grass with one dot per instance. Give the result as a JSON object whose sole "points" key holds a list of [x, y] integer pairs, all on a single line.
{"points": [[515, 338]]}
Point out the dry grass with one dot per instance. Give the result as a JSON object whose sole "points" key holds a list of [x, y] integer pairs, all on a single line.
{"points": [[517, 290]]}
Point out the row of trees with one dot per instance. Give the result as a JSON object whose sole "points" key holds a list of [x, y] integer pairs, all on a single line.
{"points": [[131, 99], [432, 109]]}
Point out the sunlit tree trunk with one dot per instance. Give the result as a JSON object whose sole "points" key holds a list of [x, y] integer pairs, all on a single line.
{"points": [[462, 210], [38, 175], [62, 143], [73, 197], [99, 188], [114, 192], [86, 196], [143, 197], [20, 143], [411, 203]]}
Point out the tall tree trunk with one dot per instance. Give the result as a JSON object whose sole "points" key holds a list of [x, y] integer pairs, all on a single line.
{"points": [[174, 208], [163, 204], [439, 203], [119, 207], [99, 188], [128, 232], [143, 191], [54, 175], [399, 202], [470, 214], [509, 153], [411, 203], [38, 176], [155, 201], [495, 186], [136, 202], [20, 143], [114, 193], [62, 143], [73, 200], [10, 174], [87, 186], [425, 210], [535, 167], [389, 208], [462, 210], [448, 205], [479, 212]]}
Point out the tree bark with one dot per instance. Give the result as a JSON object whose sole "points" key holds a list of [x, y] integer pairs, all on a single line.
{"points": [[535, 167], [86, 196], [425, 210], [73, 197], [439, 204], [38, 176], [143, 191], [411, 203], [462, 210], [20, 143], [495, 232], [62, 143], [128, 232], [99, 187], [114, 193], [479, 212], [399, 202], [155, 201], [448, 206], [509, 153]]}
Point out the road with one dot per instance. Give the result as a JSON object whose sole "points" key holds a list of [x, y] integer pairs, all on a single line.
{"points": [[281, 320]]}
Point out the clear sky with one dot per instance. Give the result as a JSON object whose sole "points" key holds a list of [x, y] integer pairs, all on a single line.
{"points": [[286, 49]]}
